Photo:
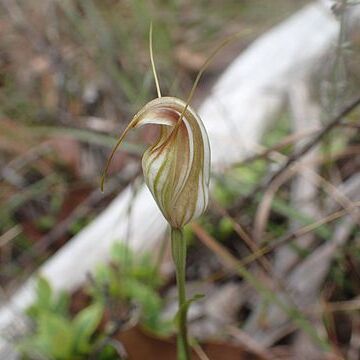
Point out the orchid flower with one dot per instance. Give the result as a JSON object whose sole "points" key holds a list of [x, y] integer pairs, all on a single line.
{"points": [[176, 170], [177, 166]]}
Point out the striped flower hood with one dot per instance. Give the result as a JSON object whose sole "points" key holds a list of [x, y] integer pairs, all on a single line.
{"points": [[177, 167]]}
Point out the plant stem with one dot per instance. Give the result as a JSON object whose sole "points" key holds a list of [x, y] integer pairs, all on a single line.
{"points": [[178, 249]]}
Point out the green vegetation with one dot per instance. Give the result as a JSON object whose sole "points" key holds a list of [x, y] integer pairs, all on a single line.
{"points": [[126, 282], [131, 280], [58, 336]]}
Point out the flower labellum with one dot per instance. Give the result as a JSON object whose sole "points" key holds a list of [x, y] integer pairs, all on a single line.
{"points": [[177, 167]]}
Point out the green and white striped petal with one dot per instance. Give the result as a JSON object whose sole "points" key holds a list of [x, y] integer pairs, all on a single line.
{"points": [[177, 167]]}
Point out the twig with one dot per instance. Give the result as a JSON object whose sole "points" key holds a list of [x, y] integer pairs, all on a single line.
{"points": [[263, 211], [295, 233], [81, 210], [288, 140], [243, 234], [10, 235], [30, 156], [250, 343], [298, 154], [199, 351], [332, 123], [349, 305], [229, 260]]}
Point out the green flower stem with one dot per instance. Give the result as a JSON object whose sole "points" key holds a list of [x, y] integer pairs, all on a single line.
{"points": [[178, 249]]}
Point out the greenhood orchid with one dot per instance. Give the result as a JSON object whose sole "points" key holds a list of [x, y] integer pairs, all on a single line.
{"points": [[177, 167], [176, 170]]}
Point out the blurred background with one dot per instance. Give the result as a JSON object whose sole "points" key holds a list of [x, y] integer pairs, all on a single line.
{"points": [[72, 74]]}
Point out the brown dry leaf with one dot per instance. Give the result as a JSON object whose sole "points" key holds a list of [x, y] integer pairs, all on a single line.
{"points": [[140, 345]]}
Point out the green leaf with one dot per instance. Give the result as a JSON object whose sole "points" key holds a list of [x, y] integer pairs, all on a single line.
{"points": [[225, 228], [121, 253], [43, 299], [61, 304], [108, 353], [46, 222], [33, 347], [43, 292], [84, 325], [55, 336], [148, 299]]}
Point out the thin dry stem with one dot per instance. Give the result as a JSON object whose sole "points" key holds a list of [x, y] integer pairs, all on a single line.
{"points": [[251, 244], [286, 141], [263, 211], [201, 71], [295, 156], [153, 62], [199, 352], [108, 162], [294, 234]]}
